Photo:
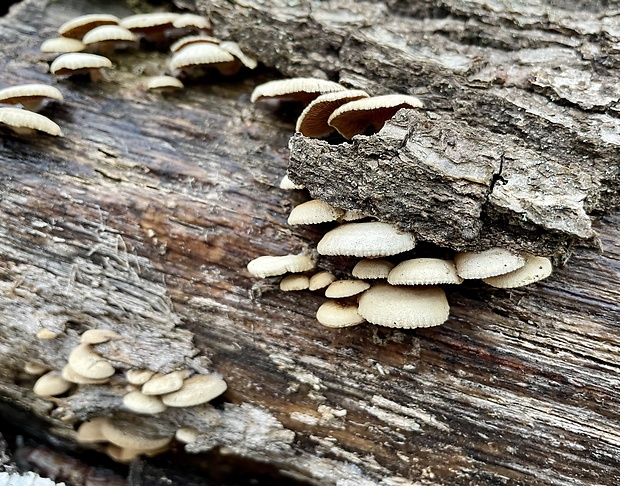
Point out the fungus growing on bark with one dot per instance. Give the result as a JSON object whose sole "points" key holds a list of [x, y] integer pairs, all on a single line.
{"points": [[320, 280], [314, 212], [129, 435], [80, 63], [152, 27], [488, 263], [345, 288], [89, 363], [353, 215], [51, 384], [288, 184], [164, 84], [374, 239], [535, 268], [191, 22], [108, 38], [303, 90], [424, 271], [44, 333], [72, 376], [35, 369], [335, 314], [77, 27], [160, 384], [313, 120], [138, 377], [196, 390], [193, 39], [89, 432], [241, 59], [372, 268], [186, 435], [404, 307], [138, 402], [62, 45], [294, 282], [99, 336], [357, 117], [201, 55], [30, 96], [24, 122], [270, 266]]}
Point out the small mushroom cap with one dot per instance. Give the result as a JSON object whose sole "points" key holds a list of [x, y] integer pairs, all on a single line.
{"points": [[313, 120], [89, 364], [334, 314], [138, 377], [356, 116], [196, 391], [488, 263], [288, 184], [234, 49], [404, 307], [62, 45], [163, 82], [76, 62], [133, 436], [140, 403], [149, 21], [187, 435], [320, 280], [24, 93], [98, 336], [314, 212], [270, 266], [107, 33], [372, 268], [89, 432], [294, 282], [191, 20], [50, 385], [345, 288], [301, 89], [44, 333], [374, 239], [78, 26], [201, 54], [193, 39], [35, 369], [424, 271], [160, 384], [536, 268], [72, 376], [23, 120]]}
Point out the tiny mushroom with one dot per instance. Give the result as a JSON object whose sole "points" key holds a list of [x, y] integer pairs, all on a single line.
{"points": [[30, 96], [98, 336], [164, 84], [345, 288], [313, 120], [298, 89], [89, 364], [62, 45], [241, 59], [138, 377], [191, 22], [51, 384], [153, 27], [79, 63], [357, 116], [186, 435], [320, 280], [404, 307], [294, 282], [131, 435], [78, 26], [72, 376], [370, 240], [108, 38], [536, 268], [89, 432], [35, 369], [270, 266], [160, 384], [372, 268], [314, 212], [193, 39], [424, 271], [140, 403], [199, 56], [488, 263], [43, 333], [335, 314], [196, 390], [289, 185], [24, 122]]}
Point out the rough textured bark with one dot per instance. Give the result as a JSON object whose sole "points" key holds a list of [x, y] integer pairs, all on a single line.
{"points": [[143, 217]]}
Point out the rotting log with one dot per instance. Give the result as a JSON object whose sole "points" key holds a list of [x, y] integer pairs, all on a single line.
{"points": [[143, 217]]}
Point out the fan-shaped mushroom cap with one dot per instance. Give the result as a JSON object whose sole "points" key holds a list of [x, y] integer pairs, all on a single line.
{"points": [[160, 384], [62, 45], [107, 38], [195, 391], [193, 39], [488, 263], [294, 282], [300, 89], [140, 403], [334, 314], [424, 271], [50, 385], [89, 364], [345, 288], [78, 26], [163, 83], [138, 377], [144, 23], [372, 268], [191, 20], [355, 117], [313, 120], [314, 212], [288, 184], [374, 239], [234, 49], [89, 432], [404, 307], [24, 122], [187, 435], [200, 54], [35, 369], [536, 268], [270, 266], [30, 96], [98, 336], [43, 333], [78, 63], [72, 376], [320, 280], [133, 436]]}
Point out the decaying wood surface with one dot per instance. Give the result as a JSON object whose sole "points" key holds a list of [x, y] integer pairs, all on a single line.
{"points": [[143, 217]]}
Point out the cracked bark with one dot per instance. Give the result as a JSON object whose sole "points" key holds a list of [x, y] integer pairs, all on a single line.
{"points": [[144, 216]]}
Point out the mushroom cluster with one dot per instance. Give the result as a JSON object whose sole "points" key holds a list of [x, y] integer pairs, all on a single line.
{"points": [[145, 393], [23, 102]]}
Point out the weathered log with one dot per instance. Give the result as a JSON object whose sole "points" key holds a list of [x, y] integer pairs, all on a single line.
{"points": [[143, 217]]}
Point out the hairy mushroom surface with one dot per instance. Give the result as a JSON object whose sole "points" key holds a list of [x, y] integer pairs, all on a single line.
{"points": [[30, 96], [24, 122], [299, 89], [370, 240]]}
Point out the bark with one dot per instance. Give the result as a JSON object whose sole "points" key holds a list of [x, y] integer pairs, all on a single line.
{"points": [[143, 217]]}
